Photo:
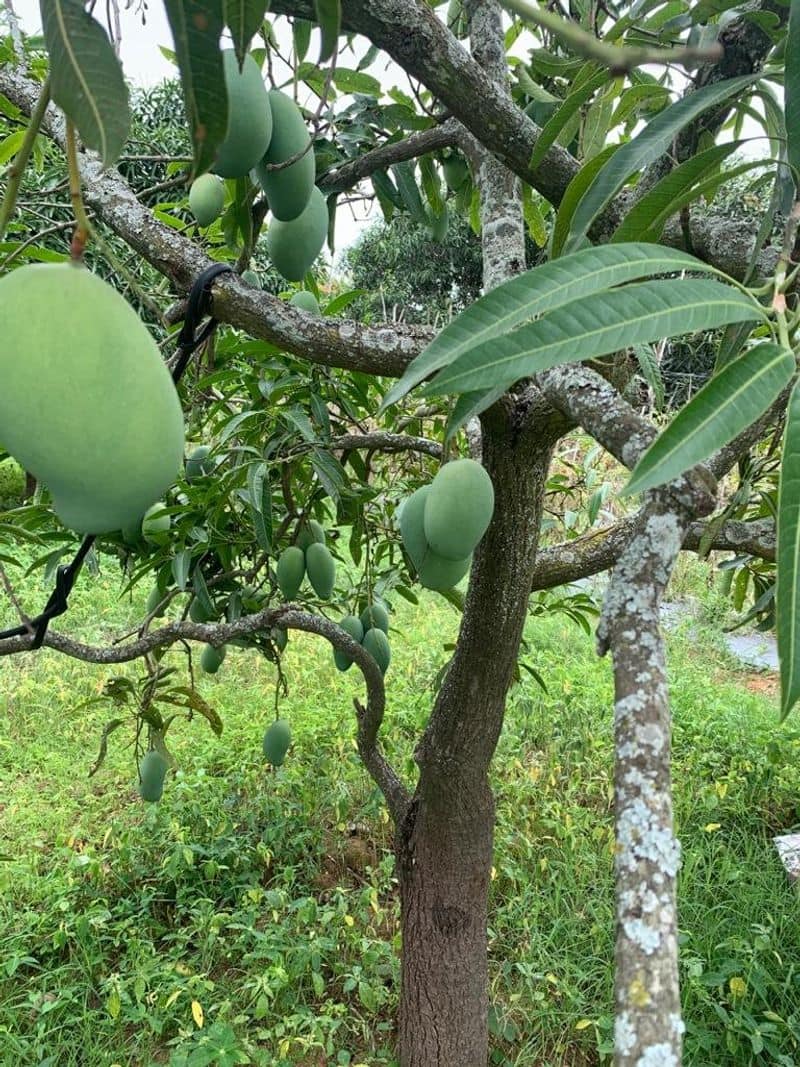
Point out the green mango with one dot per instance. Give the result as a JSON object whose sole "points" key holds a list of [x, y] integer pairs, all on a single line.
{"points": [[294, 246], [291, 571], [155, 525], [321, 570], [276, 742], [198, 463], [153, 602], [458, 508], [152, 772], [87, 404], [306, 301], [310, 533], [249, 118], [206, 199], [211, 658], [436, 572], [377, 644], [456, 171], [375, 617], [412, 526], [289, 189], [351, 625], [197, 613]]}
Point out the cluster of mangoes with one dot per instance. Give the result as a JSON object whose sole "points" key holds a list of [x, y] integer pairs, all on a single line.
{"points": [[309, 556], [370, 630], [442, 523], [265, 131]]}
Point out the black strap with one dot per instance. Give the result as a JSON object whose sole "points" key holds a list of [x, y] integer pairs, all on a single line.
{"points": [[189, 340]]}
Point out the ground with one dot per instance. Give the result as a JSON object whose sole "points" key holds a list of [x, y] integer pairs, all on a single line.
{"points": [[262, 904]]}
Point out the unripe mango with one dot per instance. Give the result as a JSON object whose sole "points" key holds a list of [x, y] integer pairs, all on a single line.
{"points": [[412, 526], [436, 572], [211, 658], [155, 525], [458, 508], [86, 402], [456, 171], [249, 118], [351, 625], [198, 463], [311, 532], [198, 613], [321, 570], [377, 644], [375, 617], [152, 606], [293, 246], [152, 771], [306, 301], [291, 571], [276, 742], [289, 189], [206, 199]]}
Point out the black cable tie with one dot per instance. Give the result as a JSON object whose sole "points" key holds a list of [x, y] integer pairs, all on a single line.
{"points": [[189, 340]]}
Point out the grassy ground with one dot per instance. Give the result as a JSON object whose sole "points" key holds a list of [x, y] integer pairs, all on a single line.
{"points": [[263, 904]]}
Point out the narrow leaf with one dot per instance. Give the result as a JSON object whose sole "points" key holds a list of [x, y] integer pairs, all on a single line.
{"points": [[792, 90], [467, 406], [181, 564], [244, 18], [646, 148], [604, 323], [329, 18], [573, 195], [556, 123], [86, 77], [787, 596], [196, 28], [535, 292], [409, 191], [730, 402]]}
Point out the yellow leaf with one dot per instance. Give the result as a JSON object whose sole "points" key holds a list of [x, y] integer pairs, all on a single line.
{"points": [[551, 978], [721, 789], [197, 1014], [710, 827], [583, 1024], [737, 986], [349, 920], [113, 1004], [173, 997], [493, 873]]}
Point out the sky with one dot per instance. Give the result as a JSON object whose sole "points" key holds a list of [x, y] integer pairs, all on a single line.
{"points": [[145, 65]]}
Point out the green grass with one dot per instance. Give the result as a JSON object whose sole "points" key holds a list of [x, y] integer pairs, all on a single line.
{"points": [[267, 899]]}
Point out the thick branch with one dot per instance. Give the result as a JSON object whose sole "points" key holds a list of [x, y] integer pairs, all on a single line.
{"points": [[416, 144], [386, 442]]}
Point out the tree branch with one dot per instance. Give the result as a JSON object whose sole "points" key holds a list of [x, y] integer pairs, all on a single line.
{"points": [[386, 442]]}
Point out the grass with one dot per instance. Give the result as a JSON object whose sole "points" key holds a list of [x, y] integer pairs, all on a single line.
{"points": [[266, 902]]}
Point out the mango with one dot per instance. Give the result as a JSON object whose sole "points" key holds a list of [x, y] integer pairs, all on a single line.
{"points": [[153, 602], [293, 246], [458, 508], [86, 403], [375, 617], [377, 644], [206, 199], [276, 742], [289, 189], [280, 637], [155, 525], [197, 613], [436, 572], [306, 301], [249, 118], [412, 526], [152, 772], [456, 171], [351, 625], [211, 658], [198, 463], [310, 533], [291, 571], [321, 570]]}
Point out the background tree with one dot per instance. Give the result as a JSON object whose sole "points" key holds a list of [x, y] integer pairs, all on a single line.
{"points": [[291, 403]]}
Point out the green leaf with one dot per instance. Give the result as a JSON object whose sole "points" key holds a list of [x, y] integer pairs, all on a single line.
{"points": [[86, 77], [468, 405], [597, 326], [648, 216], [726, 405], [356, 81], [535, 292], [181, 565], [409, 191], [202, 593], [11, 145], [244, 18], [646, 148], [301, 35], [573, 195], [329, 17], [556, 123], [260, 495], [787, 594], [196, 28], [792, 90]]}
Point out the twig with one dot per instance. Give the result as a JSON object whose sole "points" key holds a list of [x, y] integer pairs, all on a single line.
{"points": [[17, 168]]}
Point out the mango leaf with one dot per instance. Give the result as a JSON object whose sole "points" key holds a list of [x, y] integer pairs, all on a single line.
{"points": [[196, 28], [244, 18], [86, 77], [646, 148], [409, 191], [535, 292], [787, 596], [202, 593], [556, 123], [467, 406], [329, 17], [726, 405], [597, 326], [648, 216], [573, 195], [260, 499], [792, 90], [181, 565]]}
